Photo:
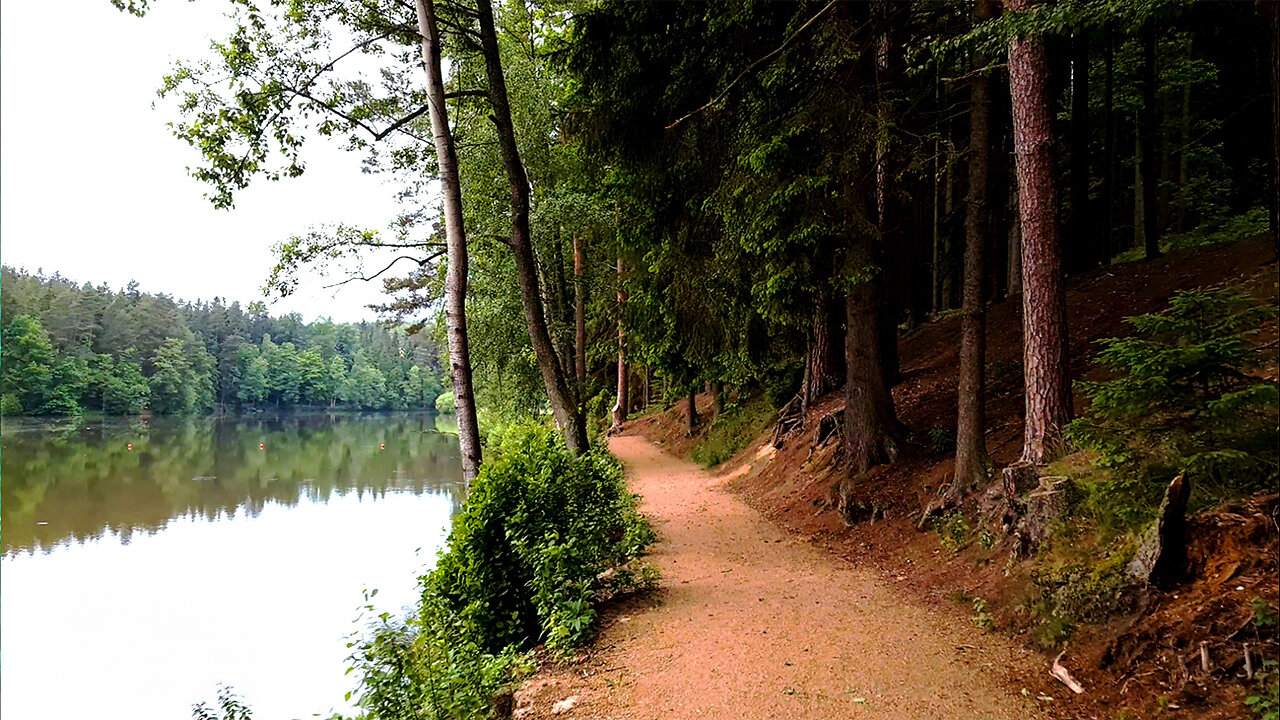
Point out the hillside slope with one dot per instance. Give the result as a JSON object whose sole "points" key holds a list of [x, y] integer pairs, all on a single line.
{"points": [[1145, 661]]}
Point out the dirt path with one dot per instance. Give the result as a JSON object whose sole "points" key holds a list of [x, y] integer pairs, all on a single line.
{"points": [[754, 623]]}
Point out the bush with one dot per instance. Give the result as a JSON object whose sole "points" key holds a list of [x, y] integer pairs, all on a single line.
{"points": [[1184, 400], [444, 402], [538, 527], [523, 565]]}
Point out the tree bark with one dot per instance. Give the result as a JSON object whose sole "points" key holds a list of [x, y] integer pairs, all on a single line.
{"points": [[1080, 252], [1147, 136], [870, 421], [972, 462], [455, 245], [579, 317], [1044, 321], [887, 222], [1107, 217], [564, 406], [620, 410], [693, 407], [1014, 282], [1273, 8], [824, 366]]}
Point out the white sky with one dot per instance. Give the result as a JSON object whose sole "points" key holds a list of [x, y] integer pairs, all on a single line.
{"points": [[92, 184]]}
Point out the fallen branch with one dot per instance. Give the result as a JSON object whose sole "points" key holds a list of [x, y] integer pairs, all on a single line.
{"points": [[1064, 676]]}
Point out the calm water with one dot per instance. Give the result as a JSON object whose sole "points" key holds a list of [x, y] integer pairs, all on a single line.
{"points": [[134, 581]]}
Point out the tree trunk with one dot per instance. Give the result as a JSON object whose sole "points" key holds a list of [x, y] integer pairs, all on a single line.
{"points": [[579, 318], [455, 245], [1015, 242], [1080, 251], [972, 463], [1185, 127], [1147, 134], [564, 406], [620, 410], [870, 422], [1044, 321], [889, 223], [824, 365], [693, 407], [1107, 231], [1274, 8]]}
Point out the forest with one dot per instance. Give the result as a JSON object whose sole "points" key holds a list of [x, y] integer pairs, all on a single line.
{"points": [[987, 288], [69, 348]]}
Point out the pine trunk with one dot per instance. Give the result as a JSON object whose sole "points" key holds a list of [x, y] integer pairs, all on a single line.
{"points": [[455, 246], [972, 463], [1080, 250], [1044, 321], [579, 317], [693, 407], [869, 419], [620, 409], [564, 407], [1147, 135]]}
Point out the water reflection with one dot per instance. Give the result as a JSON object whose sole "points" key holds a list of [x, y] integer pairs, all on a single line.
{"points": [[64, 482], [148, 575]]}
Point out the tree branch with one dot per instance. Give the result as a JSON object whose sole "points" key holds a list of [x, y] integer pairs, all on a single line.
{"points": [[421, 263], [785, 44]]}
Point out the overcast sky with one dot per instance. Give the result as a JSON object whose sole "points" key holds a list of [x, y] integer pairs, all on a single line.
{"points": [[94, 186]]}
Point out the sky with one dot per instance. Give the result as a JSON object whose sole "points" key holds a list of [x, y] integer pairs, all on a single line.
{"points": [[94, 186]]}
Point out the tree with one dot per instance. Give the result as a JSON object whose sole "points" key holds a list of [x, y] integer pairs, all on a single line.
{"points": [[455, 239], [172, 392], [564, 405], [972, 462], [26, 366], [1044, 315]]}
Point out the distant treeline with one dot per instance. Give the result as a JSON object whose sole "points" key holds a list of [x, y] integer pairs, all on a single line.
{"points": [[68, 348]]}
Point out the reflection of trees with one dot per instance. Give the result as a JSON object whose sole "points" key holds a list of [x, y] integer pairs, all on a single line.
{"points": [[83, 480]]}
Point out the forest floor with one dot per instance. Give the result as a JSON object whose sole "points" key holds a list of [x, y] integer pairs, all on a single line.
{"points": [[752, 621], [772, 606]]}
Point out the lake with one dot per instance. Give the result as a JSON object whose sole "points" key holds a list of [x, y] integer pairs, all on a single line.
{"points": [[147, 562]]}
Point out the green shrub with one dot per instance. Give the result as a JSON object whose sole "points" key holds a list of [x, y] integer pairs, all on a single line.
{"points": [[538, 527], [952, 529], [524, 564], [445, 402], [1183, 400]]}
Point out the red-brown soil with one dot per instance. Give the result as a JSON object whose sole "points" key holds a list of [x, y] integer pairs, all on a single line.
{"points": [[753, 622], [1147, 663]]}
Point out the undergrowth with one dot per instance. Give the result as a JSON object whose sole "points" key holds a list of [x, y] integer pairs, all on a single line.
{"points": [[733, 429]]}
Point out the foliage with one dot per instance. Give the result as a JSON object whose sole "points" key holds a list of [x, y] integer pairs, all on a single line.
{"points": [[1265, 703], [524, 564], [733, 429], [981, 619], [69, 348], [1184, 399], [523, 558], [444, 402], [229, 707], [952, 529]]}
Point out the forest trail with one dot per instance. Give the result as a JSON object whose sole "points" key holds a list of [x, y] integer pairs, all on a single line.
{"points": [[753, 622]]}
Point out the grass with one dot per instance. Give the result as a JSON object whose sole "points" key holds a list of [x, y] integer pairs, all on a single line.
{"points": [[732, 430]]}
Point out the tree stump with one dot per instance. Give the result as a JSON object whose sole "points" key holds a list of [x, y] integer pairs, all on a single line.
{"points": [[1161, 558]]}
